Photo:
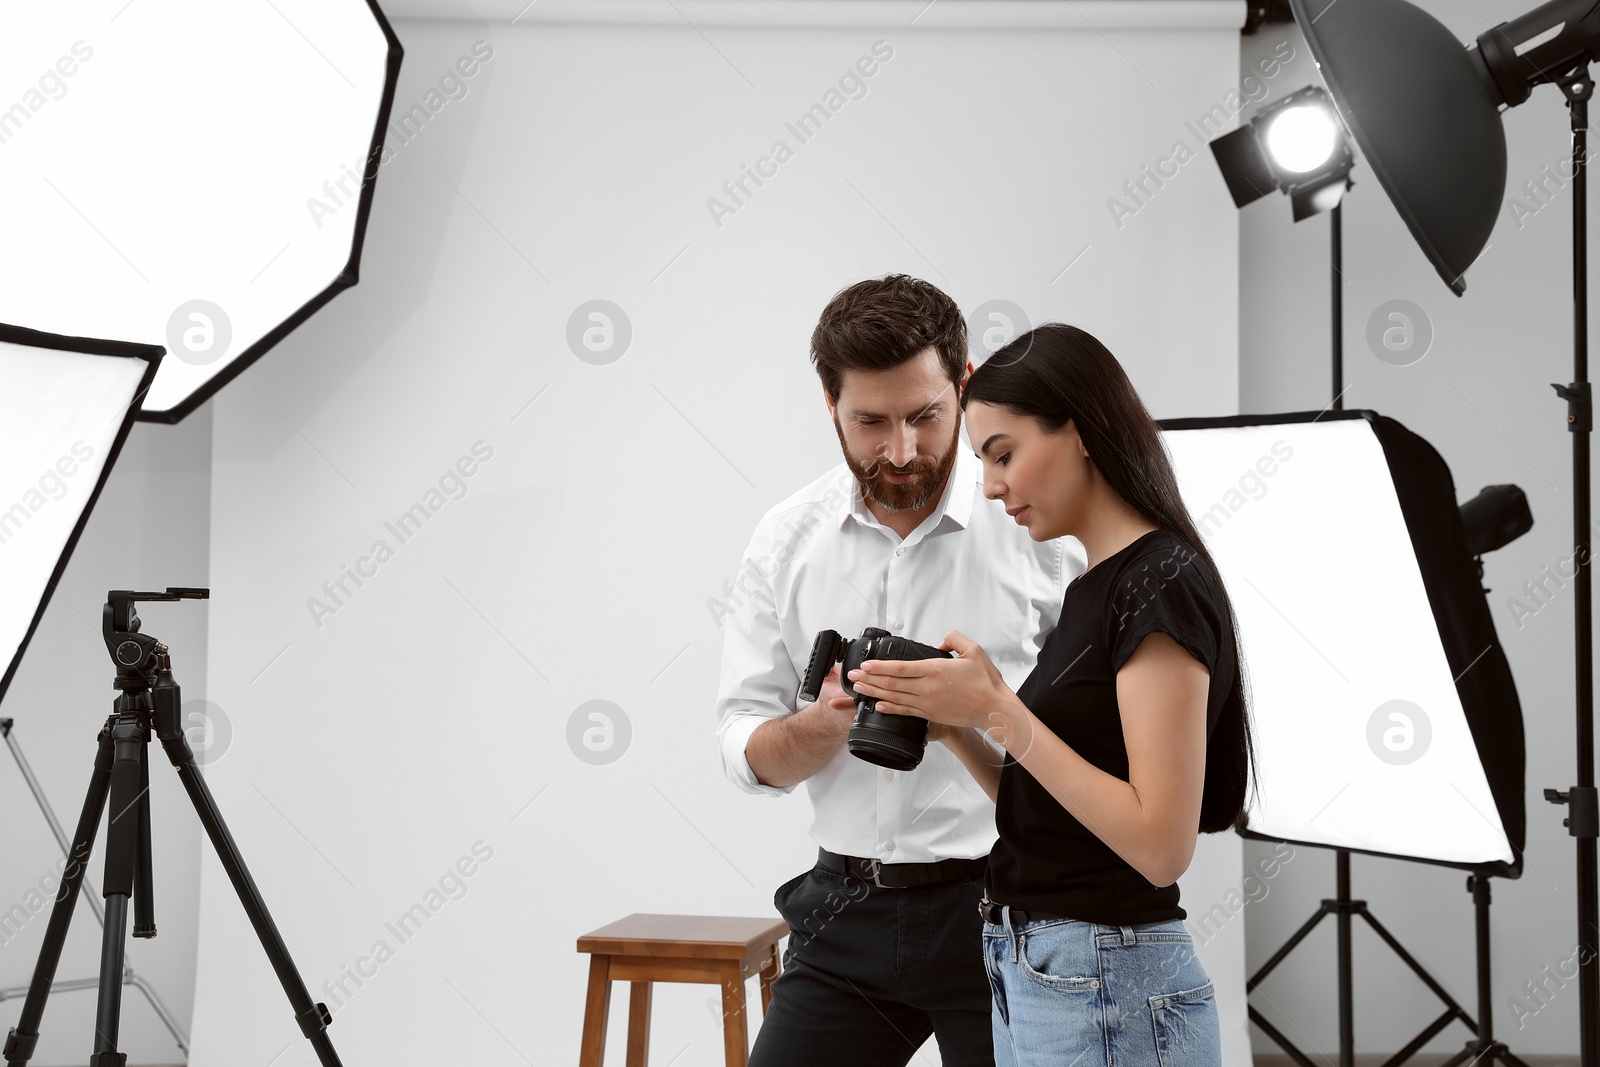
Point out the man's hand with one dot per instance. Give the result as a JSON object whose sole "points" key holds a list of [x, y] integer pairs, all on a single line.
{"points": [[786, 750]]}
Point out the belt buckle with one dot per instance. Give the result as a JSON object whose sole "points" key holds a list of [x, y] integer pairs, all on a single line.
{"points": [[873, 874]]}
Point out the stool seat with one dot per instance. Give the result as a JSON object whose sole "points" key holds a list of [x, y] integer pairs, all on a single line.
{"points": [[645, 948]]}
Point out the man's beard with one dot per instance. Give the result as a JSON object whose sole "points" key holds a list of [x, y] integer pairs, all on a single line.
{"points": [[929, 478]]}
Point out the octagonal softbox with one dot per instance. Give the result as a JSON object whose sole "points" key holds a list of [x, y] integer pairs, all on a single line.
{"points": [[187, 173]]}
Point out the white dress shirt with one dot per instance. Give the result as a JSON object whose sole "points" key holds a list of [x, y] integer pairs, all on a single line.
{"points": [[820, 561]]}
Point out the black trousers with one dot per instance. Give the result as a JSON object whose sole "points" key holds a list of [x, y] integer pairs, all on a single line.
{"points": [[869, 973]]}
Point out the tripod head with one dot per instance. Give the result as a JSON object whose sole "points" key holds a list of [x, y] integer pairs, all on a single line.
{"points": [[138, 656]]}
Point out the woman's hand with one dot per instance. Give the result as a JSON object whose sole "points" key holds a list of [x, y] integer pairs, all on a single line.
{"points": [[950, 693]]}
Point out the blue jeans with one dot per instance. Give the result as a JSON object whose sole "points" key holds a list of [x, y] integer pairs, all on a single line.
{"points": [[1069, 993]]}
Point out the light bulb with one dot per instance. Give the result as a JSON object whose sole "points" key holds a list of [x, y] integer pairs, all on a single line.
{"points": [[1301, 138]]}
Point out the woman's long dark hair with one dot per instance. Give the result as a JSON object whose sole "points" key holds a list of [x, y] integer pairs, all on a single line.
{"points": [[1058, 372]]}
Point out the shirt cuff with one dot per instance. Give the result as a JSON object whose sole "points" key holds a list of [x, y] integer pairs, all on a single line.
{"points": [[734, 738]]}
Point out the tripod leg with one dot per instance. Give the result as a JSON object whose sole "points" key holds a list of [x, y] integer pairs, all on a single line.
{"points": [[108, 1011], [312, 1017], [24, 1037], [128, 779], [144, 901]]}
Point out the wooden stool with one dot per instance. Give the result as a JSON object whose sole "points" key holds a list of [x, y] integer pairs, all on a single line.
{"points": [[642, 949]]}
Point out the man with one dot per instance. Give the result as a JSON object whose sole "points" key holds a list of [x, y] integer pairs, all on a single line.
{"points": [[885, 936]]}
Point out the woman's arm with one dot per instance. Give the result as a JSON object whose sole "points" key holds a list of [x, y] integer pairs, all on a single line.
{"points": [[980, 758], [1152, 819]]}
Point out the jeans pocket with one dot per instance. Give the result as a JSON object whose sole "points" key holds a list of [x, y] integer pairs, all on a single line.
{"points": [[1187, 1032], [1053, 957]]}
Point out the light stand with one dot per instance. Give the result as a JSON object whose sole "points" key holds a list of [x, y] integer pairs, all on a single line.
{"points": [[1583, 820], [128, 975], [1252, 162], [1426, 113]]}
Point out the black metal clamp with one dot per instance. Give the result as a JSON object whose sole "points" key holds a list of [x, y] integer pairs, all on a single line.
{"points": [[1585, 804]]}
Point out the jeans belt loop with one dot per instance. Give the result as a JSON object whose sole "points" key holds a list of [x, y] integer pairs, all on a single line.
{"points": [[1011, 935], [1127, 935]]}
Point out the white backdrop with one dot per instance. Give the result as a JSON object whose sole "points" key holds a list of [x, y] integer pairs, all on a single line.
{"points": [[572, 518]]}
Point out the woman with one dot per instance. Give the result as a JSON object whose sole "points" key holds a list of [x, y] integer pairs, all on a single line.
{"points": [[1129, 738]]}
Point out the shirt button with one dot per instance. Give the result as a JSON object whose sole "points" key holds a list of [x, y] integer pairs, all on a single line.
{"points": [[888, 774], [899, 623], [899, 551], [889, 847]]}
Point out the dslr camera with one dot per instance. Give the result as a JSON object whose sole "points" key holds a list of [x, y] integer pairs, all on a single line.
{"points": [[893, 741]]}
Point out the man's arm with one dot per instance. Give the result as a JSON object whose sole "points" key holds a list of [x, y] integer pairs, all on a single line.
{"points": [[768, 747], [785, 752]]}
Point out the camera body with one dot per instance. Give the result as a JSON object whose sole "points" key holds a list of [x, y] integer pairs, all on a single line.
{"points": [[893, 741]]}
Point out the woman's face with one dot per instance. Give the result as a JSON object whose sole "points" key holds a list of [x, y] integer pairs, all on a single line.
{"points": [[1045, 475]]}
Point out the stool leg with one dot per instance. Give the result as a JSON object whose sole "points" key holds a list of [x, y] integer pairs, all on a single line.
{"points": [[735, 1041], [769, 974], [638, 1023], [596, 1009]]}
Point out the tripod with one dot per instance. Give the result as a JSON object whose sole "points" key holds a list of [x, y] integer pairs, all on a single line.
{"points": [[1482, 1048], [150, 700]]}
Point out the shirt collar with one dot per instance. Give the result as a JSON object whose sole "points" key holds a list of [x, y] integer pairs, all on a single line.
{"points": [[955, 504]]}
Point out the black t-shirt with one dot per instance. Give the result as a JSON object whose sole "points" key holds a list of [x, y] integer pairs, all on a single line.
{"points": [[1045, 858]]}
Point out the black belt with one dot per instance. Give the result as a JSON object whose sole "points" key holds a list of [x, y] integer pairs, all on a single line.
{"points": [[901, 875], [991, 913]]}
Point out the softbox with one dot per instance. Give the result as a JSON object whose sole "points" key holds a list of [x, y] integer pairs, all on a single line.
{"points": [[66, 406], [188, 173], [1386, 719]]}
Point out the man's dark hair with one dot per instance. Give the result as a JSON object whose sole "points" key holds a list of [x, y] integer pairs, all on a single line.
{"points": [[880, 323]]}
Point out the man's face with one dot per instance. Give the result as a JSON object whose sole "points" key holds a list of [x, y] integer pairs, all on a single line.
{"points": [[899, 430]]}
